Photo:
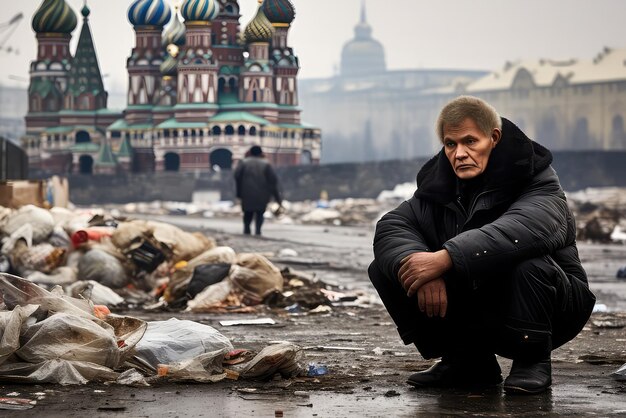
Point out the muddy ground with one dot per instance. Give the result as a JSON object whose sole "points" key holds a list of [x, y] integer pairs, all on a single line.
{"points": [[367, 364]]}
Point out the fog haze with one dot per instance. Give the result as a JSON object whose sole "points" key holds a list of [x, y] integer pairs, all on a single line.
{"points": [[415, 33]]}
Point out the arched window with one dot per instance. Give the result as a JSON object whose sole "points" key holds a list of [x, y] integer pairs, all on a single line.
{"points": [[229, 130], [253, 131], [241, 130], [217, 130], [82, 137], [222, 158], [172, 161]]}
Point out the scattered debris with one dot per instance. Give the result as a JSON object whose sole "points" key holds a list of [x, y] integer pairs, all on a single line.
{"points": [[258, 321]]}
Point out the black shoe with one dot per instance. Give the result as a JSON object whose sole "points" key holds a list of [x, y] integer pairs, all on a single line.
{"points": [[457, 373], [529, 377]]}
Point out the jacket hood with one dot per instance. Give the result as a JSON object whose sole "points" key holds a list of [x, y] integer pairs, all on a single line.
{"points": [[515, 160]]}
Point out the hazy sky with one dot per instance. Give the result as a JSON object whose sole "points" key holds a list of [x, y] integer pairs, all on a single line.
{"points": [[477, 34]]}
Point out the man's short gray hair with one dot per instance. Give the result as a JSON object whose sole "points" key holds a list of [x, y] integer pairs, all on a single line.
{"points": [[463, 107]]}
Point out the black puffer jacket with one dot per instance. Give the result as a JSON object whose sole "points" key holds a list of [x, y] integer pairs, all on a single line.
{"points": [[519, 212], [256, 183]]}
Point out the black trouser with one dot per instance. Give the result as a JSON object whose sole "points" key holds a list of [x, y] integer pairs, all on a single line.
{"points": [[524, 314], [258, 221]]}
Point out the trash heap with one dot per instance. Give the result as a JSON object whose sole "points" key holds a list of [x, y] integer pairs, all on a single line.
{"points": [[600, 214], [120, 262], [49, 337]]}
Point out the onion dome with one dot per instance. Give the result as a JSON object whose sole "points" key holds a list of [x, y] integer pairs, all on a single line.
{"points": [[169, 66], [279, 11], [149, 13], [200, 10], [175, 33], [54, 16], [259, 29]]}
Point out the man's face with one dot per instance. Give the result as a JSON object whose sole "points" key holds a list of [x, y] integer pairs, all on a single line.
{"points": [[468, 149]]}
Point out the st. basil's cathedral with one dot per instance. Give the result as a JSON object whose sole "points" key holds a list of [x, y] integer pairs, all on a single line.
{"points": [[200, 93]]}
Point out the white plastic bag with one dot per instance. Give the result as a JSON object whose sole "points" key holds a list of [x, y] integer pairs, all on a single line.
{"points": [[174, 341]]}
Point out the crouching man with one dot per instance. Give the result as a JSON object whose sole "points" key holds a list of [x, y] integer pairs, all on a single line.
{"points": [[482, 260]]}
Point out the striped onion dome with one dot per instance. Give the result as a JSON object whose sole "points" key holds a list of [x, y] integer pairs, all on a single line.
{"points": [[279, 11], [149, 13], [175, 33], [259, 29], [54, 16], [169, 66], [200, 10]]}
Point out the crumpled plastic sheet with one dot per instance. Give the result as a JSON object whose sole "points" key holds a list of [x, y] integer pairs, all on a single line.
{"points": [[284, 358], [205, 368], [69, 337], [49, 337], [63, 372]]}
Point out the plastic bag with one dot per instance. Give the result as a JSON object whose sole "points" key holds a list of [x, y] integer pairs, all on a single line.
{"points": [[182, 276], [95, 292], [211, 296], [10, 326], [69, 337], [174, 341], [42, 257], [40, 220], [284, 358], [102, 267], [255, 277], [206, 275], [204, 368]]}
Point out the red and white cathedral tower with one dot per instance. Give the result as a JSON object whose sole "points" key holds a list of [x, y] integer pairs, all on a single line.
{"points": [[197, 65], [148, 18]]}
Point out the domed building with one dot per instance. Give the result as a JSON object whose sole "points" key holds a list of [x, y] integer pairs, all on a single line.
{"points": [[363, 55], [67, 105], [201, 91]]}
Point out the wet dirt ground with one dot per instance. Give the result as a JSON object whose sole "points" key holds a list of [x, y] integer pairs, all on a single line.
{"points": [[367, 363]]}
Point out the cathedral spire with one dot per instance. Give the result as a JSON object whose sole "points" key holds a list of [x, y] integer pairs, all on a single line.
{"points": [[85, 88], [363, 12]]}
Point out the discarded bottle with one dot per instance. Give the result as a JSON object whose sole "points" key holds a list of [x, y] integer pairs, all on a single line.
{"points": [[316, 370]]}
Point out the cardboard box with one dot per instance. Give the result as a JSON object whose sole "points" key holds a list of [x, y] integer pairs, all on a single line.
{"points": [[15, 194]]}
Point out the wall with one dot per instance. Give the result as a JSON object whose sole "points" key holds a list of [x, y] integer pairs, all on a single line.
{"points": [[577, 170]]}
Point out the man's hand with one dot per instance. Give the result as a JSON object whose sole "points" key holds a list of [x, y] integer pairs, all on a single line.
{"points": [[418, 269], [432, 298]]}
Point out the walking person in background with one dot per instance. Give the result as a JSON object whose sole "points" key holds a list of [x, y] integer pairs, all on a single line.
{"points": [[256, 184], [482, 260]]}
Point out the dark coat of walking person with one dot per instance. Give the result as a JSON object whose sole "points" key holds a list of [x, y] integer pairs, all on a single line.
{"points": [[256, 183], [482, 260]]}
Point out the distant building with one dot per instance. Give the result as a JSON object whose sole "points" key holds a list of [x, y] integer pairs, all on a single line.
{"points": [[368, 112], [199, 95], [379, 114]]}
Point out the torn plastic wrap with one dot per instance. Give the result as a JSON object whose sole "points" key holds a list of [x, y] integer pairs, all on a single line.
{"points": [[284, 358], [50, 337]]}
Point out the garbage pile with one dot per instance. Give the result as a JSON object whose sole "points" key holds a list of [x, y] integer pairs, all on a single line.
{"points": [[48, 337], [600, 214], [122, 262]]}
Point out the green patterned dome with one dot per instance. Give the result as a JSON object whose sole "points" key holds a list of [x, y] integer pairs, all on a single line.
{"points": [[279, 11], [259, 29], [200, 10], [54, 16]]}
